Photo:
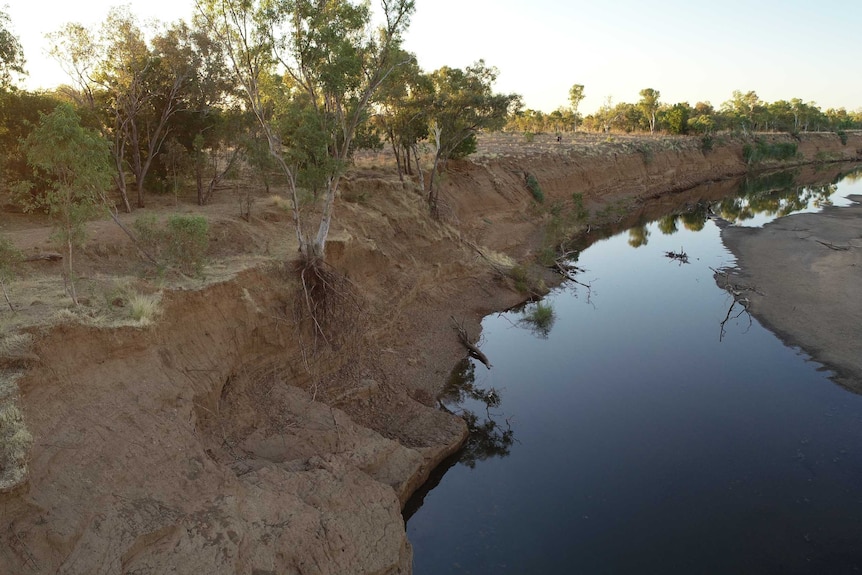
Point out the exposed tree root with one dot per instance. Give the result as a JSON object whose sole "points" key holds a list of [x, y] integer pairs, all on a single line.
{"points": [[329, 301]]}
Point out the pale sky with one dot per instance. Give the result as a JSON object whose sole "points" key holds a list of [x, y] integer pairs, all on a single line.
{"points": [[689, 50]]}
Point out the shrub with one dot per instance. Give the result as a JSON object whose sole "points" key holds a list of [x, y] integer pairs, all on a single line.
{"points": [[188, 241], [843, 136], [182, 242], [535, 188], [521, 278], [706, 143], [540, 319], [761, 150]]}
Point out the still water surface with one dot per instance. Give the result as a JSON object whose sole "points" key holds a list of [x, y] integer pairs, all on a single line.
{"points": [[633, 436]]}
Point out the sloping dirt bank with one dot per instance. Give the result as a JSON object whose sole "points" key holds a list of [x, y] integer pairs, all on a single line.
{"points": [[230, 437]]}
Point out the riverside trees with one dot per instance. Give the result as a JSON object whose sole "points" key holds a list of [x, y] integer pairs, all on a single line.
{"points": [[320, 63], [72, 166], [463, 103]]}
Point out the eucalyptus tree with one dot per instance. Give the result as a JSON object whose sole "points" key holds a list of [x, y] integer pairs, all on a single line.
{"points": [[324, 60], [72, 166], [137, 84], [743, 110], [402, 111], [464, 103], [649, 106], [576, 96], [11, 53]]}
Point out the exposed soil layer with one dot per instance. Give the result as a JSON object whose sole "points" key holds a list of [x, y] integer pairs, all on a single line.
{"points": [[233, 435]]}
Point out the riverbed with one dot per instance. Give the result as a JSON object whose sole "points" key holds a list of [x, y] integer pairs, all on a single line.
{"points": [[651, 424]]}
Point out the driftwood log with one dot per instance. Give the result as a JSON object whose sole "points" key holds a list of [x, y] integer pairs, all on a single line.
{"points": [[471, 348]]}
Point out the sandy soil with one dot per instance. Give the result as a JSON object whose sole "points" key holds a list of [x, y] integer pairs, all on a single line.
{"points": [[803, 277], [224, 436]]}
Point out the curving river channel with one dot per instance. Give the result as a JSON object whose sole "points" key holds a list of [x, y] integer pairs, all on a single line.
{"points": [[626, 427]]}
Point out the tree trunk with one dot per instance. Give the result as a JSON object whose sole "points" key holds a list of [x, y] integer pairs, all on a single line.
{"points": [[69, 273], [6, 295], [318, 246], [407, 166], [398, 161], [418, 167]]}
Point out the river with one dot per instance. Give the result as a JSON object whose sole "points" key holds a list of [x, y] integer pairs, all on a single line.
{"points": [[640, 422]]}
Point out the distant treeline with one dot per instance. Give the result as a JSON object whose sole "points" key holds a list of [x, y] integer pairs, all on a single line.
{"points": [[743, 112]]}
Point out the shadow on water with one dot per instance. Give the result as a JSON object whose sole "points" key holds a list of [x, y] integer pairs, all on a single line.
{"points": [[491, 433]]}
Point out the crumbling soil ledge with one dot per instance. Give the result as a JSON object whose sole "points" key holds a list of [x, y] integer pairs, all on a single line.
{"points": [[222, 440]]}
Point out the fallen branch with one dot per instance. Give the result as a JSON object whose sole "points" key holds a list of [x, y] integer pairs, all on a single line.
{"points": [[679, 256], [496, 267], [6, 295], [465, 340], [568, 271], [833, 246], [47, 256]]}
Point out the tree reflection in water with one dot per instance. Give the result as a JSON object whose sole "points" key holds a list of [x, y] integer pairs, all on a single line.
{"points": [[490, 433], [774, 195]]}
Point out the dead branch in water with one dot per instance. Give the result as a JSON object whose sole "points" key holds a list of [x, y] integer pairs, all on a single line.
{"points": [[735, 292], [465, 340], [679, 256], [566, 269], [743, 303]]}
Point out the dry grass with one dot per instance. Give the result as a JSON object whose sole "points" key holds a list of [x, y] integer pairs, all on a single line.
{"points": [[15, 442], [15, 344], [144, 309]]}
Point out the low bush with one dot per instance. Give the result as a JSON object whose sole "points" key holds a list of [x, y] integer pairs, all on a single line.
{"points": [[535, 188], [181, 243], [762, 150]]}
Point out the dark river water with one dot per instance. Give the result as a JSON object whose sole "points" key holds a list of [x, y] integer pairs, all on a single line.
{"points": [[634, 433]]}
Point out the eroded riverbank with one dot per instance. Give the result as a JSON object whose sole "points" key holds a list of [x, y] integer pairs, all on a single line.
{"points": [[220, 440]]}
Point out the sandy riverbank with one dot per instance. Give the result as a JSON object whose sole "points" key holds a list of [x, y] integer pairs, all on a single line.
{"points": [[805, 277]]}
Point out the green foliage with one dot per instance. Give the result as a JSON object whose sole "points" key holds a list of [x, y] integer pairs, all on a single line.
{"points": [[73, 167], [529, 137], [19, 113], [763, 150], [11, 53], [706, 143], [188, 241], [521, 278], [181, 243], [539, 318], [576, 95], [535, 188], [843, 136], [464, 148], [9, 258], [464, 103]]}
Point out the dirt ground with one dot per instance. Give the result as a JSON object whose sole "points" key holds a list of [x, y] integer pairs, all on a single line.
{"points": [[218, 433], [803, 277]]}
